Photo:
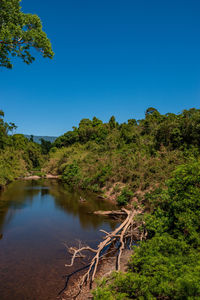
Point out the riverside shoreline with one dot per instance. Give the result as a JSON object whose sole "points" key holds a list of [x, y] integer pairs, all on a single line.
{"points": [[36, 177], [105, 269]]}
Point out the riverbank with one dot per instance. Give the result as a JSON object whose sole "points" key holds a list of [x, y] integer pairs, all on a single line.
{"points": [[30, 177], [111, 254], [36, 177], [106, 267]]}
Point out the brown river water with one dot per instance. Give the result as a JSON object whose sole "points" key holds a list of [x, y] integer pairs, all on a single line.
{"points": [[37, 220]]}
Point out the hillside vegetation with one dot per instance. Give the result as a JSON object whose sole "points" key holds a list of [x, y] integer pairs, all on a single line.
{"points": [[126, 160], [167, 264], [18, 155]]}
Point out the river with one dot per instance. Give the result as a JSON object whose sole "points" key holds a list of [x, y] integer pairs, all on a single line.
{"points": [[37, 220]]}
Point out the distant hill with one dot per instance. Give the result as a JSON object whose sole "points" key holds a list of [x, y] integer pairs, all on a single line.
{"points": [[36, 138]]}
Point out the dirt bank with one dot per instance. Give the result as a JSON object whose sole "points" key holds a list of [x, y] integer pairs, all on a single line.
{"points": [[36, 177], [104, 269]]}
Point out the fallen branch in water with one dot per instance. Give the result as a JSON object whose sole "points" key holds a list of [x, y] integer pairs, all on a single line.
{"points": [[110, 213], [120, 238]]}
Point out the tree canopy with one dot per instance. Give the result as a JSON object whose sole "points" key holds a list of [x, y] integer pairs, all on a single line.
{"points": [[19, 33]]}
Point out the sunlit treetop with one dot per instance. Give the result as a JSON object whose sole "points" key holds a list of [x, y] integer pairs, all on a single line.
{"points": [[19, 33]]}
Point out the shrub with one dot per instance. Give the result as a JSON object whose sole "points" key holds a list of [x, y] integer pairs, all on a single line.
{"points": [[103, 175], [72, 174], [124, 197], [167, 265]]}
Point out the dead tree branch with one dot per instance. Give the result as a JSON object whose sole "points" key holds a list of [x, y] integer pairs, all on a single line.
{"points": [[121, 237]]}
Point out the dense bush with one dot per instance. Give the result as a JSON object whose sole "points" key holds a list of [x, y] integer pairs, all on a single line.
{"points": [[18, 155], [124, 197], [167, 265], [71, 174], [140, 155]]}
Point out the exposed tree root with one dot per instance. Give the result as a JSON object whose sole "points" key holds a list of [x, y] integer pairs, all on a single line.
{"points": [[123, 236]]}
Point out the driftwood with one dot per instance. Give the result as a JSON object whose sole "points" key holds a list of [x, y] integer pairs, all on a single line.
{"points": [[123, 236], [110, 213]]}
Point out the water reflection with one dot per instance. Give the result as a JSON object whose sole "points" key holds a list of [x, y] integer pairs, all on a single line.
{"points": [[21, 194], [36, 218]]}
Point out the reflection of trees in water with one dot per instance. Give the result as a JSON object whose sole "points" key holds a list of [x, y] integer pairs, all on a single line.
{"points": [[15, 196], [70, 202], [44, 192], [21, 193]]}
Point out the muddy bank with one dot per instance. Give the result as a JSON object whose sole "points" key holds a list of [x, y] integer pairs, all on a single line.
{"points": [[106, 267], [36, 177]]}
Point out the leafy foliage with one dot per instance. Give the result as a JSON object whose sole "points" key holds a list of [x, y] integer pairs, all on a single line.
{"points": [[71, 174], [46, 146], [19, 33], [140, 155], [18, 155], [124, 197], [167, 265]]}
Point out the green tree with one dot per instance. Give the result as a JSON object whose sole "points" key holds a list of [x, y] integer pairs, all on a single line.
{"points": [[46, 146], [5, 128], [19, 33], [72, 174], [112, 122]]}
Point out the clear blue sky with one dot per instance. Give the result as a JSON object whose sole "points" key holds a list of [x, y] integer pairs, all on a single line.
{"points": [[111, 58]]}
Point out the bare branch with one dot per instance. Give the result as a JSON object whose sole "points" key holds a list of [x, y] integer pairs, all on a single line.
{"points": [[122, 236], [76, 251]]}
